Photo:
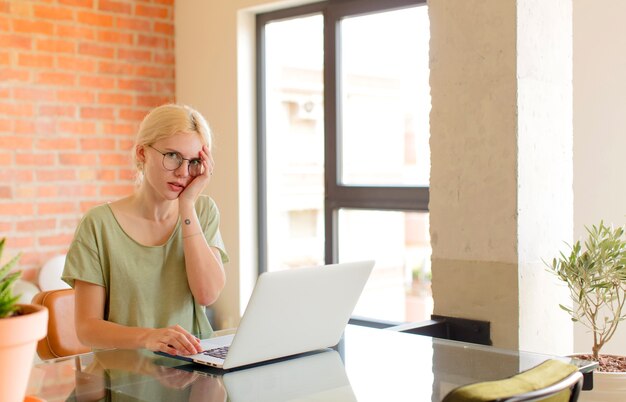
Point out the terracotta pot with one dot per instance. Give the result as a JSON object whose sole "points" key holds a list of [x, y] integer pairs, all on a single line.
{"points": [[18, 341], [607, 387]]}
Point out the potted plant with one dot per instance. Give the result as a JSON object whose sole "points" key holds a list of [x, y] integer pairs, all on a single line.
{"points": [[21, 326], [595, 274]]}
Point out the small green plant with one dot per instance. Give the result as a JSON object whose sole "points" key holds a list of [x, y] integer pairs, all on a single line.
{"points": [[8, 302], [596, 278]]}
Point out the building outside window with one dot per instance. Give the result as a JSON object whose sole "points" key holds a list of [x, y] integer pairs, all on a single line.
{"points": [[343, 146]]}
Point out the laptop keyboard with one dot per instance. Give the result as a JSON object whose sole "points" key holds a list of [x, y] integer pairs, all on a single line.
{"points": [[220, 353]]}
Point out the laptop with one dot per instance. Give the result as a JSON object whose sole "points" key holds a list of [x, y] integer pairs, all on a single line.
{"points": [[290, 312]]}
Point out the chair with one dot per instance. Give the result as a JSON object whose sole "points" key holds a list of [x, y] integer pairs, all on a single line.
{"points": [[552, 381], [61, 339]]}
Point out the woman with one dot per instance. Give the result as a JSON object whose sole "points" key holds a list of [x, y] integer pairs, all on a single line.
{"points": [[143, 267]]}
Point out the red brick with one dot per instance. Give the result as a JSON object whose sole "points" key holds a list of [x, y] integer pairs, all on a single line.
{"points": [[57, 110], [76, 95], [35, 60], [153, 100], [166, 87], [54, 13], [151, 11], [31, 159], [98, 19], [134, 24], [56, 175], [77, 127], [107, 144], [15, 41], [128, 174], [76, 32], [33, 94], [6, 159], [24, 127], [87, 205], [16, 109], [115, 99], [97, 113], [107, 175], [6, 192], [125, 145], [155, 41], [18, 176], [5, 58], [55, 46], [25, 192], [57, 240], [165, 2], [155, 72], [21, 8], [95, 81], [115, 159], [76, 159], [132, 114], [53, 78], [9, 74], [164, 57], [118, 190], [96, 50], [164, 28], [114, 6], [19, 243], [76, 64], [77, 3], [135, 85], [33, 27], [16, 208], [36, 224], [124, 129], [15, 142], [134, 55], [116, 37], [48, 191], [6, 227], [6, 125], [59, 144], [106, 67]]}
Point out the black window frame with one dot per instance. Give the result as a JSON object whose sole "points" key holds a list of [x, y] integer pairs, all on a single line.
{"points": [[336, 195]]}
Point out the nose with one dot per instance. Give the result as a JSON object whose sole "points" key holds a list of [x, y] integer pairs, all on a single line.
{"points": [[183, 169]]}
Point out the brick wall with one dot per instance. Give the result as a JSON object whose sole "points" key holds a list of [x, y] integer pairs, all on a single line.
{"points": [[76, 78]]}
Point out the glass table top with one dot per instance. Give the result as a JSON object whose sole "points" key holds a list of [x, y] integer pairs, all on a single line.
{"points": [[367, 365]]}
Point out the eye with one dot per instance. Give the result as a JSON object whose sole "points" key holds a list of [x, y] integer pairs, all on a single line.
{"points": [[172, 155], [195, 162]]}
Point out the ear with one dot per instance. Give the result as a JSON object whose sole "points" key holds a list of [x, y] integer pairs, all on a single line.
{"points": [[140, 151]]}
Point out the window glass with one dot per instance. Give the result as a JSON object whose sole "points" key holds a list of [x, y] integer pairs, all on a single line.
{"points": [[385, 98], [294, 142], [399, 242]]}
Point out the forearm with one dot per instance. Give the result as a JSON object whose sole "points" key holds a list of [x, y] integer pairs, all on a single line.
{"points": [[205, 272], [100, 334]]}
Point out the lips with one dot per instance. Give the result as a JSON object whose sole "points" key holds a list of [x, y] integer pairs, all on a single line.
{"points": [[175, 186]]}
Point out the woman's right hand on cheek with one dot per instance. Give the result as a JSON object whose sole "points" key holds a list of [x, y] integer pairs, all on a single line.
{"points": [[174, 340]]}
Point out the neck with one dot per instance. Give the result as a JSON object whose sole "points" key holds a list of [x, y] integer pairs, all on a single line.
{"points": [[151, 209]]}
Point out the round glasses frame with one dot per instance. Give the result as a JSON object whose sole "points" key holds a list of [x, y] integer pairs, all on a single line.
{"points": [[173, 160]]}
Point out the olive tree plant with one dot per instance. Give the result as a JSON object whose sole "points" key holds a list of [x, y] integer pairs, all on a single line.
{"points": [[596, 277], [8, 302]]}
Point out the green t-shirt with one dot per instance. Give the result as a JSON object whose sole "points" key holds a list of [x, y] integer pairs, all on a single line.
{"points": [[146, 286]]}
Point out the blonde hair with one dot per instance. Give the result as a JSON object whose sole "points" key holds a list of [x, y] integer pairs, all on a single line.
{"points": [[165, 121]]}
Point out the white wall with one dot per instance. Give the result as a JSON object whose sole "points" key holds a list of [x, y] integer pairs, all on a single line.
{"points": [[215, 74], [599, 127], [209, 62]]}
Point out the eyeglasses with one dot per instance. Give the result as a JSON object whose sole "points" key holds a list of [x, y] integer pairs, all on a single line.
{"points": [[173, 160]]}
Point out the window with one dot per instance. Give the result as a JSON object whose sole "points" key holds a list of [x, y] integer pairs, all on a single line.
{"points": [[344, 160]]}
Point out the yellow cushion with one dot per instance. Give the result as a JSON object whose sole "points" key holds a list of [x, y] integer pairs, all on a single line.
{"points": [[539, 377]]}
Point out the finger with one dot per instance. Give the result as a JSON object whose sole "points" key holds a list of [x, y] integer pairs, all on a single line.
{"points": [[168, 348], [188, 341]]}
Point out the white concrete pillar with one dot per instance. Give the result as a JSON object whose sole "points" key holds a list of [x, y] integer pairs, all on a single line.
{"points": [[501, 177]]}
